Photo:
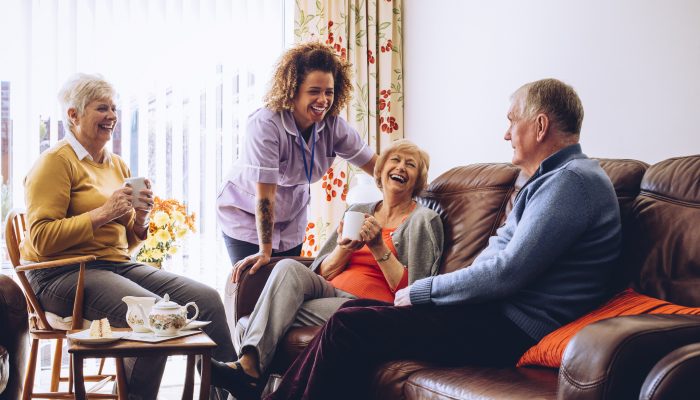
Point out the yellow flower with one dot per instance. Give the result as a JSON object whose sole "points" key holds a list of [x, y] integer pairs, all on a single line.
{"points": [[178, 217], [156, 254], [161, 218], [172, 250], [151, 242], [181, 233], [163, 236]]}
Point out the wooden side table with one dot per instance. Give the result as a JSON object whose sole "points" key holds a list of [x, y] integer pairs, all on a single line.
{"points": [[191, 346]]}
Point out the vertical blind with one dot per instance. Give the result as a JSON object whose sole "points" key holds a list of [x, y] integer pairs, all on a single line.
{"points": [[188, 73]]}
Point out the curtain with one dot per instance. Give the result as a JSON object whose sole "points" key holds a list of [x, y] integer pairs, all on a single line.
{"points": [[188, 73], [367, 33]]}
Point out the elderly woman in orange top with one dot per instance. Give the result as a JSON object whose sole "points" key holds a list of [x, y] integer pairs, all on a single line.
{"points": [[77, 205], [400, 242]]}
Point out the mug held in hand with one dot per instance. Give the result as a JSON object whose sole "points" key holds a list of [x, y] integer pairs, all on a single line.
{"points": [[352, 224], [137, 185]]}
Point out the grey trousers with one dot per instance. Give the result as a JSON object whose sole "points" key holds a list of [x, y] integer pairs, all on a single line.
{"points": [[293, 296], [105, 285]]}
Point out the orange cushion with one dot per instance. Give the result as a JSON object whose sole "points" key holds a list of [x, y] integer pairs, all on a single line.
{"points": [[549, 351]]}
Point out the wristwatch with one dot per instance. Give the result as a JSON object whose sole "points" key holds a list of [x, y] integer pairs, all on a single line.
{"points": [[384, 257]]}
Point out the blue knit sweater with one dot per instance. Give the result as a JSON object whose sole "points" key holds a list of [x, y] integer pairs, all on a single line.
{"points": [[552, 260]]}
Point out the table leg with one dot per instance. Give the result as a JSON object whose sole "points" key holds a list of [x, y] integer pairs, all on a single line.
{"points": [[206, 376], [188, 389], [122, 389], [78, 378]]}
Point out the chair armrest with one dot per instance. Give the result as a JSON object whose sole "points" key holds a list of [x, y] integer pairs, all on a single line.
{"points": [[250, 286], [43, 323], [56, 263], [610, 359], [675, 376]]}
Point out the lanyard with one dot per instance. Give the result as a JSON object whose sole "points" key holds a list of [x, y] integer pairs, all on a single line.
{"points": [[310, 169]]}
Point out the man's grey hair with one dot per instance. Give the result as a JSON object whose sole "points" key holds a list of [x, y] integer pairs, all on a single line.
{"points": [[79, 90], [556, 99]]}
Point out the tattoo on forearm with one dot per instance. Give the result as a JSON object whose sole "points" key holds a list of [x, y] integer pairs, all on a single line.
{"points": [[265, 220]]}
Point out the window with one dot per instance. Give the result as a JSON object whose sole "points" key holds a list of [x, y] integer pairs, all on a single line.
{"points": [[188, 74]]}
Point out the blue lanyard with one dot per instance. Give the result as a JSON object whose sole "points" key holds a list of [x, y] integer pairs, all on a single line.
{"points": [[310, 169]]}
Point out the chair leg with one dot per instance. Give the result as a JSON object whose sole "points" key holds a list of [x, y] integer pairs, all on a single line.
{"points": [[70, 375], [56, 366], [28, 388], [102, 364]]}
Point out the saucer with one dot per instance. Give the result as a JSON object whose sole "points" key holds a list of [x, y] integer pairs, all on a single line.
{"points": [[196, 325], [84, 337]]}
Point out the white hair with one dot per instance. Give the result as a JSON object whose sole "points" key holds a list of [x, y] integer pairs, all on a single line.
{"points": [[79, 90]]}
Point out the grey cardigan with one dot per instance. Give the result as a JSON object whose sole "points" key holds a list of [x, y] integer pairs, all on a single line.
{"points": [[418, 241]]}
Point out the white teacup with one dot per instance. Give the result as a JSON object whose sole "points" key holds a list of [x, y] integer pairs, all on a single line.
{"points": [[352, 224], [137, 184]]}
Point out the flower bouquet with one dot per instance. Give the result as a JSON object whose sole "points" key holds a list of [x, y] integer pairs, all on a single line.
{"points": [[169, 223]]}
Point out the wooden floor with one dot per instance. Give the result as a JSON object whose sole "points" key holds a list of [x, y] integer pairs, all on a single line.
{"points": [[170, 389]]}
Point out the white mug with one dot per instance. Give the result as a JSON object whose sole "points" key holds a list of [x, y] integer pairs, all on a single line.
{"points": [[137, 184], [352, 224]]}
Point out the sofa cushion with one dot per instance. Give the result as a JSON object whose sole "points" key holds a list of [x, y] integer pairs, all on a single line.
{"points": [[472, 201], [661, 236], [389, 378], [482, 383], [548, 352]]}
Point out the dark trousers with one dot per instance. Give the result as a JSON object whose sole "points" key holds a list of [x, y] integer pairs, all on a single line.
{"points": [[107, 282], [238, 249], [339, 362]]}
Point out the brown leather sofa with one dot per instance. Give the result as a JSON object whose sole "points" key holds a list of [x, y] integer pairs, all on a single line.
{"points": [[615, 358], [13, 338]]}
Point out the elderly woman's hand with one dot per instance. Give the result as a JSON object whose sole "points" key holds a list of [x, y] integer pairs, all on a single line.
{"points": [[346, 244], [117, 205], [146, 199], [371, 232]]}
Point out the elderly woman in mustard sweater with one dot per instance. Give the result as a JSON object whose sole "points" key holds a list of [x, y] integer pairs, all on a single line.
{"points": [[400, 242], [77, 204]]}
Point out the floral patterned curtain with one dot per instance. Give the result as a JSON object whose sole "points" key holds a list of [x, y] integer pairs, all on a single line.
{"points": [[368, 33]]}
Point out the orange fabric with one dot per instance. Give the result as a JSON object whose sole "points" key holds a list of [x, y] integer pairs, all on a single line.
{"points": [[363, 277], [549, 351]]}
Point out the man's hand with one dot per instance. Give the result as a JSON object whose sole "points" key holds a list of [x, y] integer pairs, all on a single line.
{"points": [[403, 297]]}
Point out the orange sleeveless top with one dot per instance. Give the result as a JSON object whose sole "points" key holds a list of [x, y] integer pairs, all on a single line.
{"points": [[363, 278]]}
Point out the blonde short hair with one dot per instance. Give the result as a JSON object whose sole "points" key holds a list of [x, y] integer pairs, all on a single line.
{"points": [[80, 89], [408, 146]]}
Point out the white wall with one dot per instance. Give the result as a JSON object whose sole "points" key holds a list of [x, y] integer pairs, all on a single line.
{"points": [[634, 63]]}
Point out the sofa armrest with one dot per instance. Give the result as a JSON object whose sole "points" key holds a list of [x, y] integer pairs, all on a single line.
{"points": [[674, 376], [250, 286], [611, 358]]}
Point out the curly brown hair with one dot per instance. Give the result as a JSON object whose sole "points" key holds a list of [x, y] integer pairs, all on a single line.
{"points": [[293, 67]]}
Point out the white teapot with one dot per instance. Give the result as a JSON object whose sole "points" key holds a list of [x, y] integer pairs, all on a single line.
{"points": [[167, 318]]}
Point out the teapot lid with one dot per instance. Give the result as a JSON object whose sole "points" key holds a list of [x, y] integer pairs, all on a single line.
{"points": [[166, 303]]}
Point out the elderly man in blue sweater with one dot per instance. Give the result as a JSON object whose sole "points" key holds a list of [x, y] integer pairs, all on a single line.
{"points": [[549, 264]]}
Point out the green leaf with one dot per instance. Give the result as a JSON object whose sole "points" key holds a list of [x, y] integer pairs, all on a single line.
{"points": [[358, 37], [384, 25]]}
